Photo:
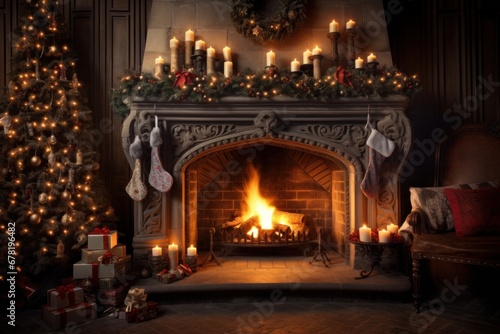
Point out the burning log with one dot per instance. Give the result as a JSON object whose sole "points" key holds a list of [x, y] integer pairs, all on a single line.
{"points": [[281, 221]]}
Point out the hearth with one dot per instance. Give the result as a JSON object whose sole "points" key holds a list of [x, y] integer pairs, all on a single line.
{"points": [[310, 157]]}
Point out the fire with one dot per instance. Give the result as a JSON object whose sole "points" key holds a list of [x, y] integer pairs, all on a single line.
{"points": [[254, 204]]}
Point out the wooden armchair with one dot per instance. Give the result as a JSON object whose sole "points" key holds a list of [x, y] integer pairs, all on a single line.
{"points": [[470, 155]]}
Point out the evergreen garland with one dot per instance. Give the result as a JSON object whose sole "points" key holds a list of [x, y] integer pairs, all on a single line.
{"points": [[263, 29], [262, 84]]}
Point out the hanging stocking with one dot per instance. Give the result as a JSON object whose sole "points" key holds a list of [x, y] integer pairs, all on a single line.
{"points": [[136, 188], [158, 177]]}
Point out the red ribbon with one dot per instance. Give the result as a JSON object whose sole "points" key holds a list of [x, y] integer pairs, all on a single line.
{"points": [[107, 257], [343, 76], [103, 230], [183, 77], [95, 273], [69, 289]]}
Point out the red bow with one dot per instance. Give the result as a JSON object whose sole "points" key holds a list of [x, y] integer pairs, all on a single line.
{"points": [[62, 290], [106, 258], [98, 230], [343, 76], [183, 77]]}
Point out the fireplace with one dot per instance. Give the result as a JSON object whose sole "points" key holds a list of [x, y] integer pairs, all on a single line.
{"points": [[311, 158]]}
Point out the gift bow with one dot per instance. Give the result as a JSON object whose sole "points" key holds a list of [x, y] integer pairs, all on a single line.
{"points": [[107, 258], [62, 290], [183, 77], [136, 297], [103, 230], [343, 76]]}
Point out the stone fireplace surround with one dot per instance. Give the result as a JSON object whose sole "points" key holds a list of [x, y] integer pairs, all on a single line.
{"points": [[194, 132]]}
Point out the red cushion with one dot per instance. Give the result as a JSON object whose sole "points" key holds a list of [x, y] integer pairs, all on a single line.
{"points": [[475, 211]]}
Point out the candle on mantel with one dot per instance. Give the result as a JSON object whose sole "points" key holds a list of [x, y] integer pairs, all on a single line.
{"points": [[226, 52], [371, 58], [199, 45], [350, 24], [384, 236], [173, 250], [188, 47], [270, 58], [294, 66], [191, 251], [210, 60], [365, 234], [393, 228], [189, 36], [334, 26], [305, 57], [358, 63], [159, 60], [228, 69], [156, 251], [211, 52], [174, 62], [317, 51]]}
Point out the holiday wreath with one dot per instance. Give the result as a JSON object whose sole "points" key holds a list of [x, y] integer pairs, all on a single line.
{"points": [[278, 27]]}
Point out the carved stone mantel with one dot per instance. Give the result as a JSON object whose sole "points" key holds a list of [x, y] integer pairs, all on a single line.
{"points": [[330, 129]]}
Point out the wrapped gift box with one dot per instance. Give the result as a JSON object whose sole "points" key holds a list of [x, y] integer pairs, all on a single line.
{"points": [[76, 314], [114, 297], [96, 270], [92, 255], [142, 314], [64, 296], [108, 283], [83, 270], [102, 239]]}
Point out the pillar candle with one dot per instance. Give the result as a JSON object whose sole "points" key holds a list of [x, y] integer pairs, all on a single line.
{"points": [[317, 51], [270, 58], [334, 26], [156, 251], [173, 251], [350, 24], [191, 251], [295, 65], [365, 234], [306, 55], [371, 58], [210, 60], [174, 47], [228, 69], [392, 228], [159, 64], [199, 45], [159, 60], [358, 63], [227, 53], [384, 236], [188, 47]]}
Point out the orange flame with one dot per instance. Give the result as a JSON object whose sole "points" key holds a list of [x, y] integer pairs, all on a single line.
{"points": [[253, 202]]}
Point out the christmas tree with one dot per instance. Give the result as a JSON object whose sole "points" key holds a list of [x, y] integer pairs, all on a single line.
{"points": [[49, 184]]}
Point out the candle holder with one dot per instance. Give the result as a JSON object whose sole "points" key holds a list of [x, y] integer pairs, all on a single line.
{"points": [[316, 59], [192, 262], [199, 61], [160, 71], [334, 37], [157, 263], [296, 74], [211, 256], [320, 251], [351, 55], [371, 66], [307, 69], [211, 64]]}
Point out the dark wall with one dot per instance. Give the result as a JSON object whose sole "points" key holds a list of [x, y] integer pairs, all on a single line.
{"points": [[452, 44]]}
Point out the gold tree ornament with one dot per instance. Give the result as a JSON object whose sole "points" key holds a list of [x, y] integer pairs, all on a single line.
{"points": [[35, 161], [65, 195], [276, 28], [35, 219]]}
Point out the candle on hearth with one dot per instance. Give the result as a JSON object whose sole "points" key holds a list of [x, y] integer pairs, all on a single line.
{"points": [[173, 250], [199, 45], [226, 52], [270, 58], [334, 26], [294, 66], [371, 58], [384, 236], [365, 234], [188, 47], [159, 60], [191, 251], [305, 57], [350, 24], [317, 51], [156, 251], [392, 228], [228, 69], [358, 63]]}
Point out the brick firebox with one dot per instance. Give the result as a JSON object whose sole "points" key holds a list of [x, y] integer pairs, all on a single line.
{"points": [[312, 158]]}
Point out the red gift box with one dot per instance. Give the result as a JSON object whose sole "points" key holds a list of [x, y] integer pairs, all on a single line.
{"points": [[76, 314], [64, 296], [102, 238]]}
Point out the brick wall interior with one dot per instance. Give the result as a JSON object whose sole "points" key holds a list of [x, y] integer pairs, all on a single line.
{"points": [[295, 181]]}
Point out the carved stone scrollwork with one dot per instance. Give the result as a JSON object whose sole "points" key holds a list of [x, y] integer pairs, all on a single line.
{"points": [[269, 122], [152, 216], [186, 136]]}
